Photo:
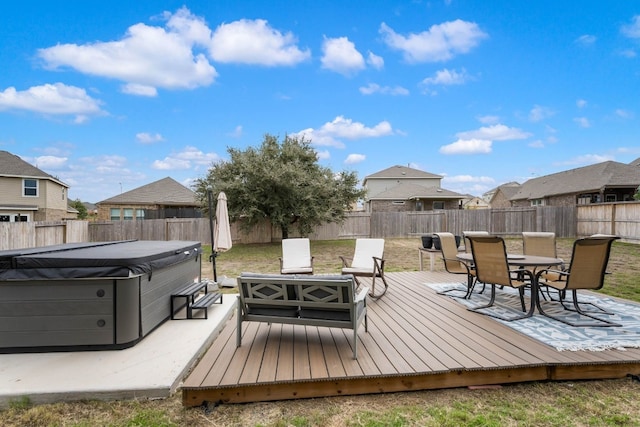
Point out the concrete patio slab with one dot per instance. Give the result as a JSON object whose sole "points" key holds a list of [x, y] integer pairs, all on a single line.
{"points": [[153, 368]]}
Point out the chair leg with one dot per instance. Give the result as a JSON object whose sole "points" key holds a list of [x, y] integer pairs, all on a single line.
{"points": [[599, 322]]}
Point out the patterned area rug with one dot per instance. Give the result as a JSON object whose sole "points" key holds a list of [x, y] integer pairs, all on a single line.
{"points": [[554, 333]]}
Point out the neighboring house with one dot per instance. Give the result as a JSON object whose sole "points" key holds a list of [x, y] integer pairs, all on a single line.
{"points": [[602, 182], [165, 198], [402, 189], [500, 197], [475, 203], [30, 194]]}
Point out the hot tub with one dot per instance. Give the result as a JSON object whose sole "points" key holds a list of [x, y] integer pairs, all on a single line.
{"points": [[90, 296]]}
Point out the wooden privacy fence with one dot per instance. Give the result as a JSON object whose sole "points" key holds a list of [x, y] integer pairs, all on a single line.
{"points": [[621, 219]]}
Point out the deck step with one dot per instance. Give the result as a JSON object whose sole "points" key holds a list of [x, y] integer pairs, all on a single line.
{"points": [[189, 293]]}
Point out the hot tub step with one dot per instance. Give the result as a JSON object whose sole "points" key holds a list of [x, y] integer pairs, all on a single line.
{"points": [[205, 302]]}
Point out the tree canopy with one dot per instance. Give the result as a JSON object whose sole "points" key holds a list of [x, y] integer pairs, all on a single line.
{"points": [[80, 207], [281, 181]]}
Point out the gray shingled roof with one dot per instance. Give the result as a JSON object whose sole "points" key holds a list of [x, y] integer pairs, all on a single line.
{"points": [[13, 166], [635, 162], [584, 179], [401, 172], [413, 191], [166, 191]]}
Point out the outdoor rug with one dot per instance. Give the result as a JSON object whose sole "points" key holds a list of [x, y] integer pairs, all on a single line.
{"points": [[552, 332]]}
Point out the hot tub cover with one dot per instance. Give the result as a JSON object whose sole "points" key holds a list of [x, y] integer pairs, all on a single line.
{"points": [[102, 259]]}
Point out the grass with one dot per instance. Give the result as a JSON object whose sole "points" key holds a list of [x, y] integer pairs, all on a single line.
{"points": [[588, 403]]}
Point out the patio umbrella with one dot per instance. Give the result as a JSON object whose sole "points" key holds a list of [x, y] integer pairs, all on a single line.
{"points": [[221, 234]]}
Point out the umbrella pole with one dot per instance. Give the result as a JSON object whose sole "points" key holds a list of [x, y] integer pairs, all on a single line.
{"points": [[214, 254]]}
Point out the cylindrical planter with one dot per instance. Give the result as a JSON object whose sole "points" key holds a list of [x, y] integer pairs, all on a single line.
{"points": [[427, 242]]}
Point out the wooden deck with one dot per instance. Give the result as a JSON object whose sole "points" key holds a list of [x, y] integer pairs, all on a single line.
{"points": [[417, 340]]}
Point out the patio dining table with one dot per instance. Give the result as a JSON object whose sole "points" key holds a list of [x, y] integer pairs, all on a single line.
{"points": [[530, 263]]}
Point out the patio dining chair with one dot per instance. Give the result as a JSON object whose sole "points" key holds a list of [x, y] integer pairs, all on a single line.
{"points": [[296, 257], [368, 261], [492, 267], [587, 270], [467, 234], [542, 243], [452, 265]]}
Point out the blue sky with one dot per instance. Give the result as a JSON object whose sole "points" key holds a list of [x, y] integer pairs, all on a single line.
{"points": [[109, 96]]}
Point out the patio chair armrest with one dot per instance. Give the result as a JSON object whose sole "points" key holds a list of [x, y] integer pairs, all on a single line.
{"points": [[345, 263], [362, 295], [378, 264]]}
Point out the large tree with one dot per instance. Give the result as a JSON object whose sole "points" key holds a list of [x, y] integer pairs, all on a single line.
{"points": [[282, 182]]}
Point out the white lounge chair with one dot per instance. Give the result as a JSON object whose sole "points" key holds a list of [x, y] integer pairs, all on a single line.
{"points": [[296, 257], [368, 261]]}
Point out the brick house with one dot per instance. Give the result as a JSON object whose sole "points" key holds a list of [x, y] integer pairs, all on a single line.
{"points": [[30, 194], [404, 189], [602, 182], [165, 198]]}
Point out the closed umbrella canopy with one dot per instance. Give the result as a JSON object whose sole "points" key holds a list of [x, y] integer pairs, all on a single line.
{"points": [[222, 239]]}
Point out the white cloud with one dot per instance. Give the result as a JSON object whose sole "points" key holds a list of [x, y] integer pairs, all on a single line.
{"points": [[582, 122], [623, 114], [585, 159], [536, 144], [468, 178], [581, 103], [255, 42], [58, 99], [323, 155], [331, 132], [440, 43], [467, 146], [375, 61], [372, 88], [146, 58], [355, 158], [489, 120], [188, 158], [444, 77], [237, 132], [539, 113], [586, 40], [498, 132], [340, 55], [628, 53], [632, 30], [148, 138], [50, 162]]}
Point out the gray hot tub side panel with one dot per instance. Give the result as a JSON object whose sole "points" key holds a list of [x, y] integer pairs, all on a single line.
{"points": [[107, 312]]}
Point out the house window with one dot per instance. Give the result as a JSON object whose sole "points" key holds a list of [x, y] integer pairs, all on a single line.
{"points": [[610, 198], [5, 218], [139, 213], [115, 214], [438, 205], [63, 190], [398, 202], [537, 202], [419, 207], [30, 187], [584, 199], [128, 213]]}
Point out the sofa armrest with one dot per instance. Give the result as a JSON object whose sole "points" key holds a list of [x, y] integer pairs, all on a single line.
{"points": [[361, 296]]}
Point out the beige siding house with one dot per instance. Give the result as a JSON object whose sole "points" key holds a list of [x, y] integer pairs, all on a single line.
{"points": [[602, 182], [165, 198], [402, 189], [30, 194]]}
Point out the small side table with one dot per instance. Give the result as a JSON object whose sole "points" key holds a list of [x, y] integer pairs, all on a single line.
{"points": [[432, 257]]}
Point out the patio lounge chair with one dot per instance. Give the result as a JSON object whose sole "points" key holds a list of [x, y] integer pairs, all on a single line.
{"points": [[492, 267], [449, 251], [296, 257], [368, 261], [587, 269]]}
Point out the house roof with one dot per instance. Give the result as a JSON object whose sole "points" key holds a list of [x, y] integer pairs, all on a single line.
{"points": [[412, 191], [399, 172], [635, 162], [166, 191], [13, 166], [585, 179]]}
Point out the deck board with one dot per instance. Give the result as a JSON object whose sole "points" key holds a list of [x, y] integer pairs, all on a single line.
{"points": [[416, 340]]}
